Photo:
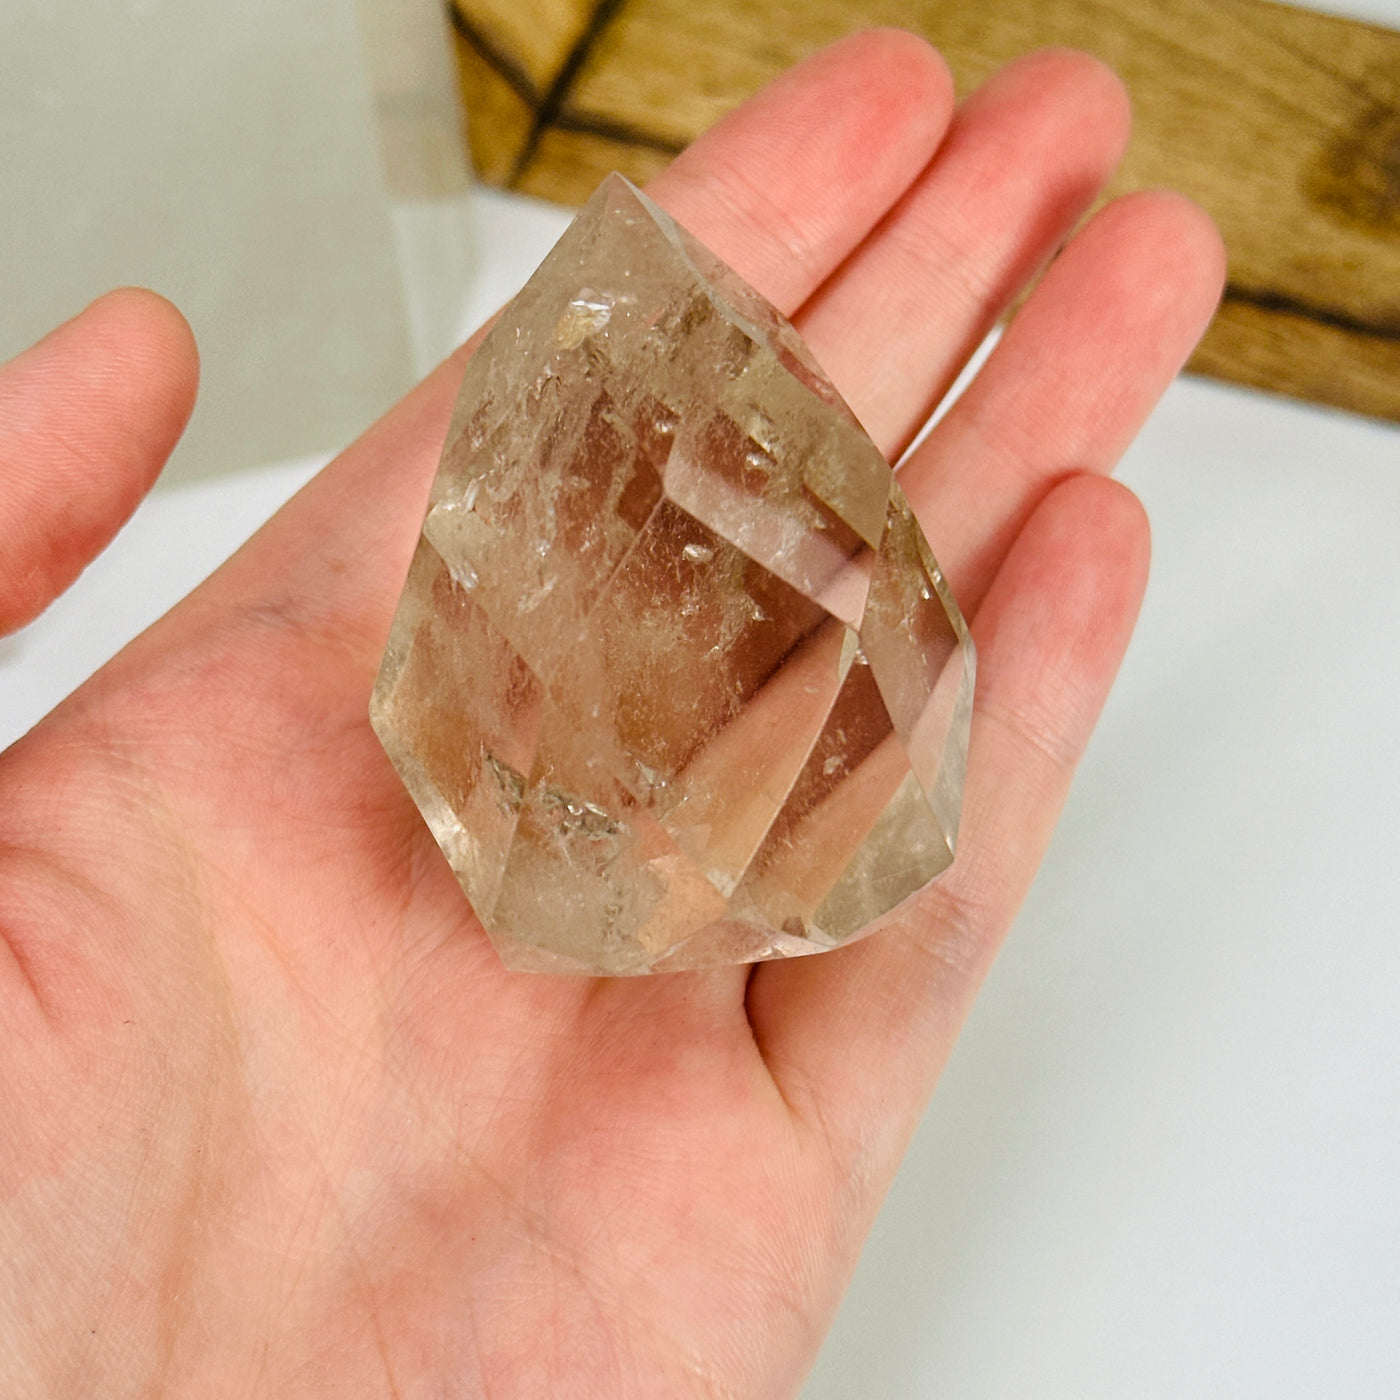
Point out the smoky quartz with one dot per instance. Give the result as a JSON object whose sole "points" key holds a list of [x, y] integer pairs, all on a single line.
{"points": [[675, 679]]}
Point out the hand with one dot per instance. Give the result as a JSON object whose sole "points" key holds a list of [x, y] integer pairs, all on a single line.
{"points": [[276, 1122]]}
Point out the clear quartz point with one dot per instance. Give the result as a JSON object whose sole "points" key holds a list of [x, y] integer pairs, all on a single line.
{"points": [[675, 679]]}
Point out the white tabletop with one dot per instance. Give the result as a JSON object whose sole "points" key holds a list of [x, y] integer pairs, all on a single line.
{"points": [[1165, 1160]]}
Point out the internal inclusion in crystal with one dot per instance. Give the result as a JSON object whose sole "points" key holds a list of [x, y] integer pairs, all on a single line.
{"points": [[675, 679]]}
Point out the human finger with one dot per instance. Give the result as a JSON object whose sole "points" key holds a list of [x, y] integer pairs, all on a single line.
{"points": [[1071, 381], [1024, 157], [787, 185], [88, 417]]}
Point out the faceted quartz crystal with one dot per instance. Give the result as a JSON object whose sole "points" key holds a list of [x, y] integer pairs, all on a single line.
{"points": [[675, 679]]}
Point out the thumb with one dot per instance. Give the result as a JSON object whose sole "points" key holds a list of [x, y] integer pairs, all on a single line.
{"points": [[87, 418]]}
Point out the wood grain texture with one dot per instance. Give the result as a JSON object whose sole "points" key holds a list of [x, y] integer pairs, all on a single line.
{"points": [[1283, 123], [534, 37], [499, 107]]}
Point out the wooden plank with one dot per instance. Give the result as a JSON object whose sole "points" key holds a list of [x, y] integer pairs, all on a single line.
{"points": [[499, 111], [1286, 351], [567, 165], [1283, 123], [533, 38], [513, 61]]}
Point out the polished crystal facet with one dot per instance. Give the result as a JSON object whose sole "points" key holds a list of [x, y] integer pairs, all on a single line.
{"points": [[675, 679]]}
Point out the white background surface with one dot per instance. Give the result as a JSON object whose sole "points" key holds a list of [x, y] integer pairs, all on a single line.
{"points": [[224, 154], [1165, 1160]]}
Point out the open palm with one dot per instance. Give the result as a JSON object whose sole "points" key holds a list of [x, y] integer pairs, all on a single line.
{"points": [[275, 1120]]}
